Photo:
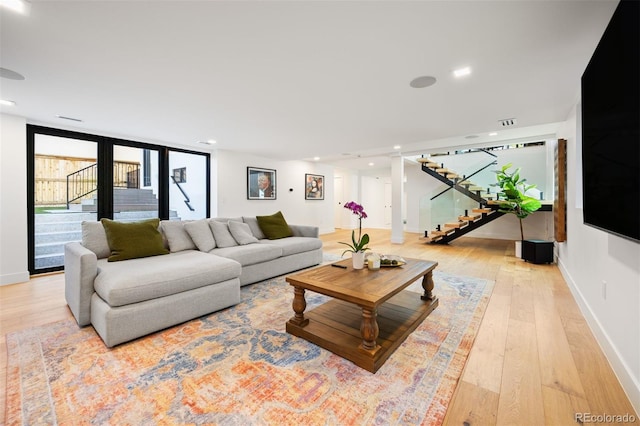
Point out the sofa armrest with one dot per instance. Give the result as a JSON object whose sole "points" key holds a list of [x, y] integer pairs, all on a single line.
{"points": [[80, 270], [305, 231]]}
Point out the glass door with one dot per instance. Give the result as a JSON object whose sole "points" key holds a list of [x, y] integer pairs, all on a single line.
{"points": [[188, 186], [65, 193], [135, 183]]}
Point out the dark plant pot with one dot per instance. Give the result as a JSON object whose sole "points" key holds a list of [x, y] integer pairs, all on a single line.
{"points": [[537, 251]]}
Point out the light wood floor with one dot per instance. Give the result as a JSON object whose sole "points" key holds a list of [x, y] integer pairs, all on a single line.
{"points": [[534, 361]]}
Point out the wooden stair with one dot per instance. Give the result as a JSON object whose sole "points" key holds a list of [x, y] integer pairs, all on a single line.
{"points": [[465, 223], [486, 212]]}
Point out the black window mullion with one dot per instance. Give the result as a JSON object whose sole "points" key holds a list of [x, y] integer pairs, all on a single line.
{"points": [[105, 179], [163, 183]]}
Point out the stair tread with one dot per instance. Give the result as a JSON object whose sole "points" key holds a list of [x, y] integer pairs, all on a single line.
{"points": [[430, 239], [456, 224], [483, 210], [470, 218]]}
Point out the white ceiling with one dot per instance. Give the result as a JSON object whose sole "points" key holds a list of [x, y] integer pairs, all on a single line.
{"points": [[298, 79]]}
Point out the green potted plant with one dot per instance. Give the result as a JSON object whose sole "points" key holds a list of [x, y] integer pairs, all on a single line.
{"points": [[512, 198]]}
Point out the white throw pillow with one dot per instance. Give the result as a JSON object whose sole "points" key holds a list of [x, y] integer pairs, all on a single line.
{"points": [[222, 234], [177, 236], [201, 235], [241, 233], [95, 239], [255, 228]]}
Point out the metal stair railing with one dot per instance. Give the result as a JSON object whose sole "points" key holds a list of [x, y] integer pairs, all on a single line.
{"points": [[462, 227], [455, 183], [187, 200], [82, 183], [85, 181]]}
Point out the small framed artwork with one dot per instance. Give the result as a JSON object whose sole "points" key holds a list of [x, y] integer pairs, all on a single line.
{"points": [[313, 187], [261, 184]]}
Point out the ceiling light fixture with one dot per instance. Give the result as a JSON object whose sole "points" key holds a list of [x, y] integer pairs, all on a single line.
{"points": [[421, 82], [10, 74], [372, 164], [19, 6], [493, 134], [316, 158], [69, 118], [7, 102], [397, 147], [461, 72], [207, 142]]}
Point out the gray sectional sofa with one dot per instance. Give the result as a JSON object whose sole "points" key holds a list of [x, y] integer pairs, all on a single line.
{"points": [[208, 261]]}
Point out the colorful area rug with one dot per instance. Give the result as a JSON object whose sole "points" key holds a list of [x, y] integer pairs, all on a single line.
{"points": [[239, 367]]}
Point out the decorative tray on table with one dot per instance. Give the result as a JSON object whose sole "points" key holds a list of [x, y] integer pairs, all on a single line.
{"points": [[390, 261]]}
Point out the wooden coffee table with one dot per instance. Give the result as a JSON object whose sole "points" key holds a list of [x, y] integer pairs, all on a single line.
{"points": [[369, 315]]}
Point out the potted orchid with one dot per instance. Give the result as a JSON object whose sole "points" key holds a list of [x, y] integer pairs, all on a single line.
{"points": [[359, 246]]}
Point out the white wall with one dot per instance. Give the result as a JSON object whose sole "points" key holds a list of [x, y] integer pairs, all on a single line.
{"points": [[231, 193], [13, 200], [591, 257]]}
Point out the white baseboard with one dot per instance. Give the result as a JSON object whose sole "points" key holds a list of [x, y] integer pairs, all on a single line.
{"points": [[629, 383], [18, 277]]}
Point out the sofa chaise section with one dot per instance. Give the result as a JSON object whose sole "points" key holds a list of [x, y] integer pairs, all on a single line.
{"points": [[127, 299]]}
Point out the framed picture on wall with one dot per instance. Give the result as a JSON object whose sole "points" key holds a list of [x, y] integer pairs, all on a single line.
{"points": [[261, 184], [313, 187]]}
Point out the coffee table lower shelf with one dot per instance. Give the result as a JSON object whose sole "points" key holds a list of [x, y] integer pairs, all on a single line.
{"points": [[335, 326]]}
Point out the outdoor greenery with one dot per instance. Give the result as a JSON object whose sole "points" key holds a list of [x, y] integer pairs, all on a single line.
{"points": [[47, 209]]}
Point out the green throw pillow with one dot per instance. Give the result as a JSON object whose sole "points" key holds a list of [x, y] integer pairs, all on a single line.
{"points": [[274, 226], [131, 240]]}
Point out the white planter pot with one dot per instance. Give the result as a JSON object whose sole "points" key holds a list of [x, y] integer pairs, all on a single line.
{"points": [[519, 249], [358, 260]]}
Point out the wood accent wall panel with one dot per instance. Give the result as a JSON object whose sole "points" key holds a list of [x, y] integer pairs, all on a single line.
{"points": [[560, 200]]}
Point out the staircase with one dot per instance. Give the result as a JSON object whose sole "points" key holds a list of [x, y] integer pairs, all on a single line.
{"points": [[54, 230], [124, 199], [487, 210]]}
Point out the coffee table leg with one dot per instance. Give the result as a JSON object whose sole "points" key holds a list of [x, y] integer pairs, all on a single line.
{"points": [[427, 285], [369, 330], [299, 305]]}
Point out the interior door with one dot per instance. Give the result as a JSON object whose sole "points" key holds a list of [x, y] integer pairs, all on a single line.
{"points": [[338, 201]]}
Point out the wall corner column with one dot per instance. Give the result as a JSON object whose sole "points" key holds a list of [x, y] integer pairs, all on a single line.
{"points": [[397, 205]]}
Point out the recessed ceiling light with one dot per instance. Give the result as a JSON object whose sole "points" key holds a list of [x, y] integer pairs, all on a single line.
{"points": [[19, 6], [424, 81], [316, 158], [397, 147], [493, 134], [207, 142], [7, 102], [461, 72], [471, 136], [372, 164], [10, 74]]}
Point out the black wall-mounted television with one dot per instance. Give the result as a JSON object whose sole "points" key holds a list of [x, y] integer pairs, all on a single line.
{"points": [[611, 127]]}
